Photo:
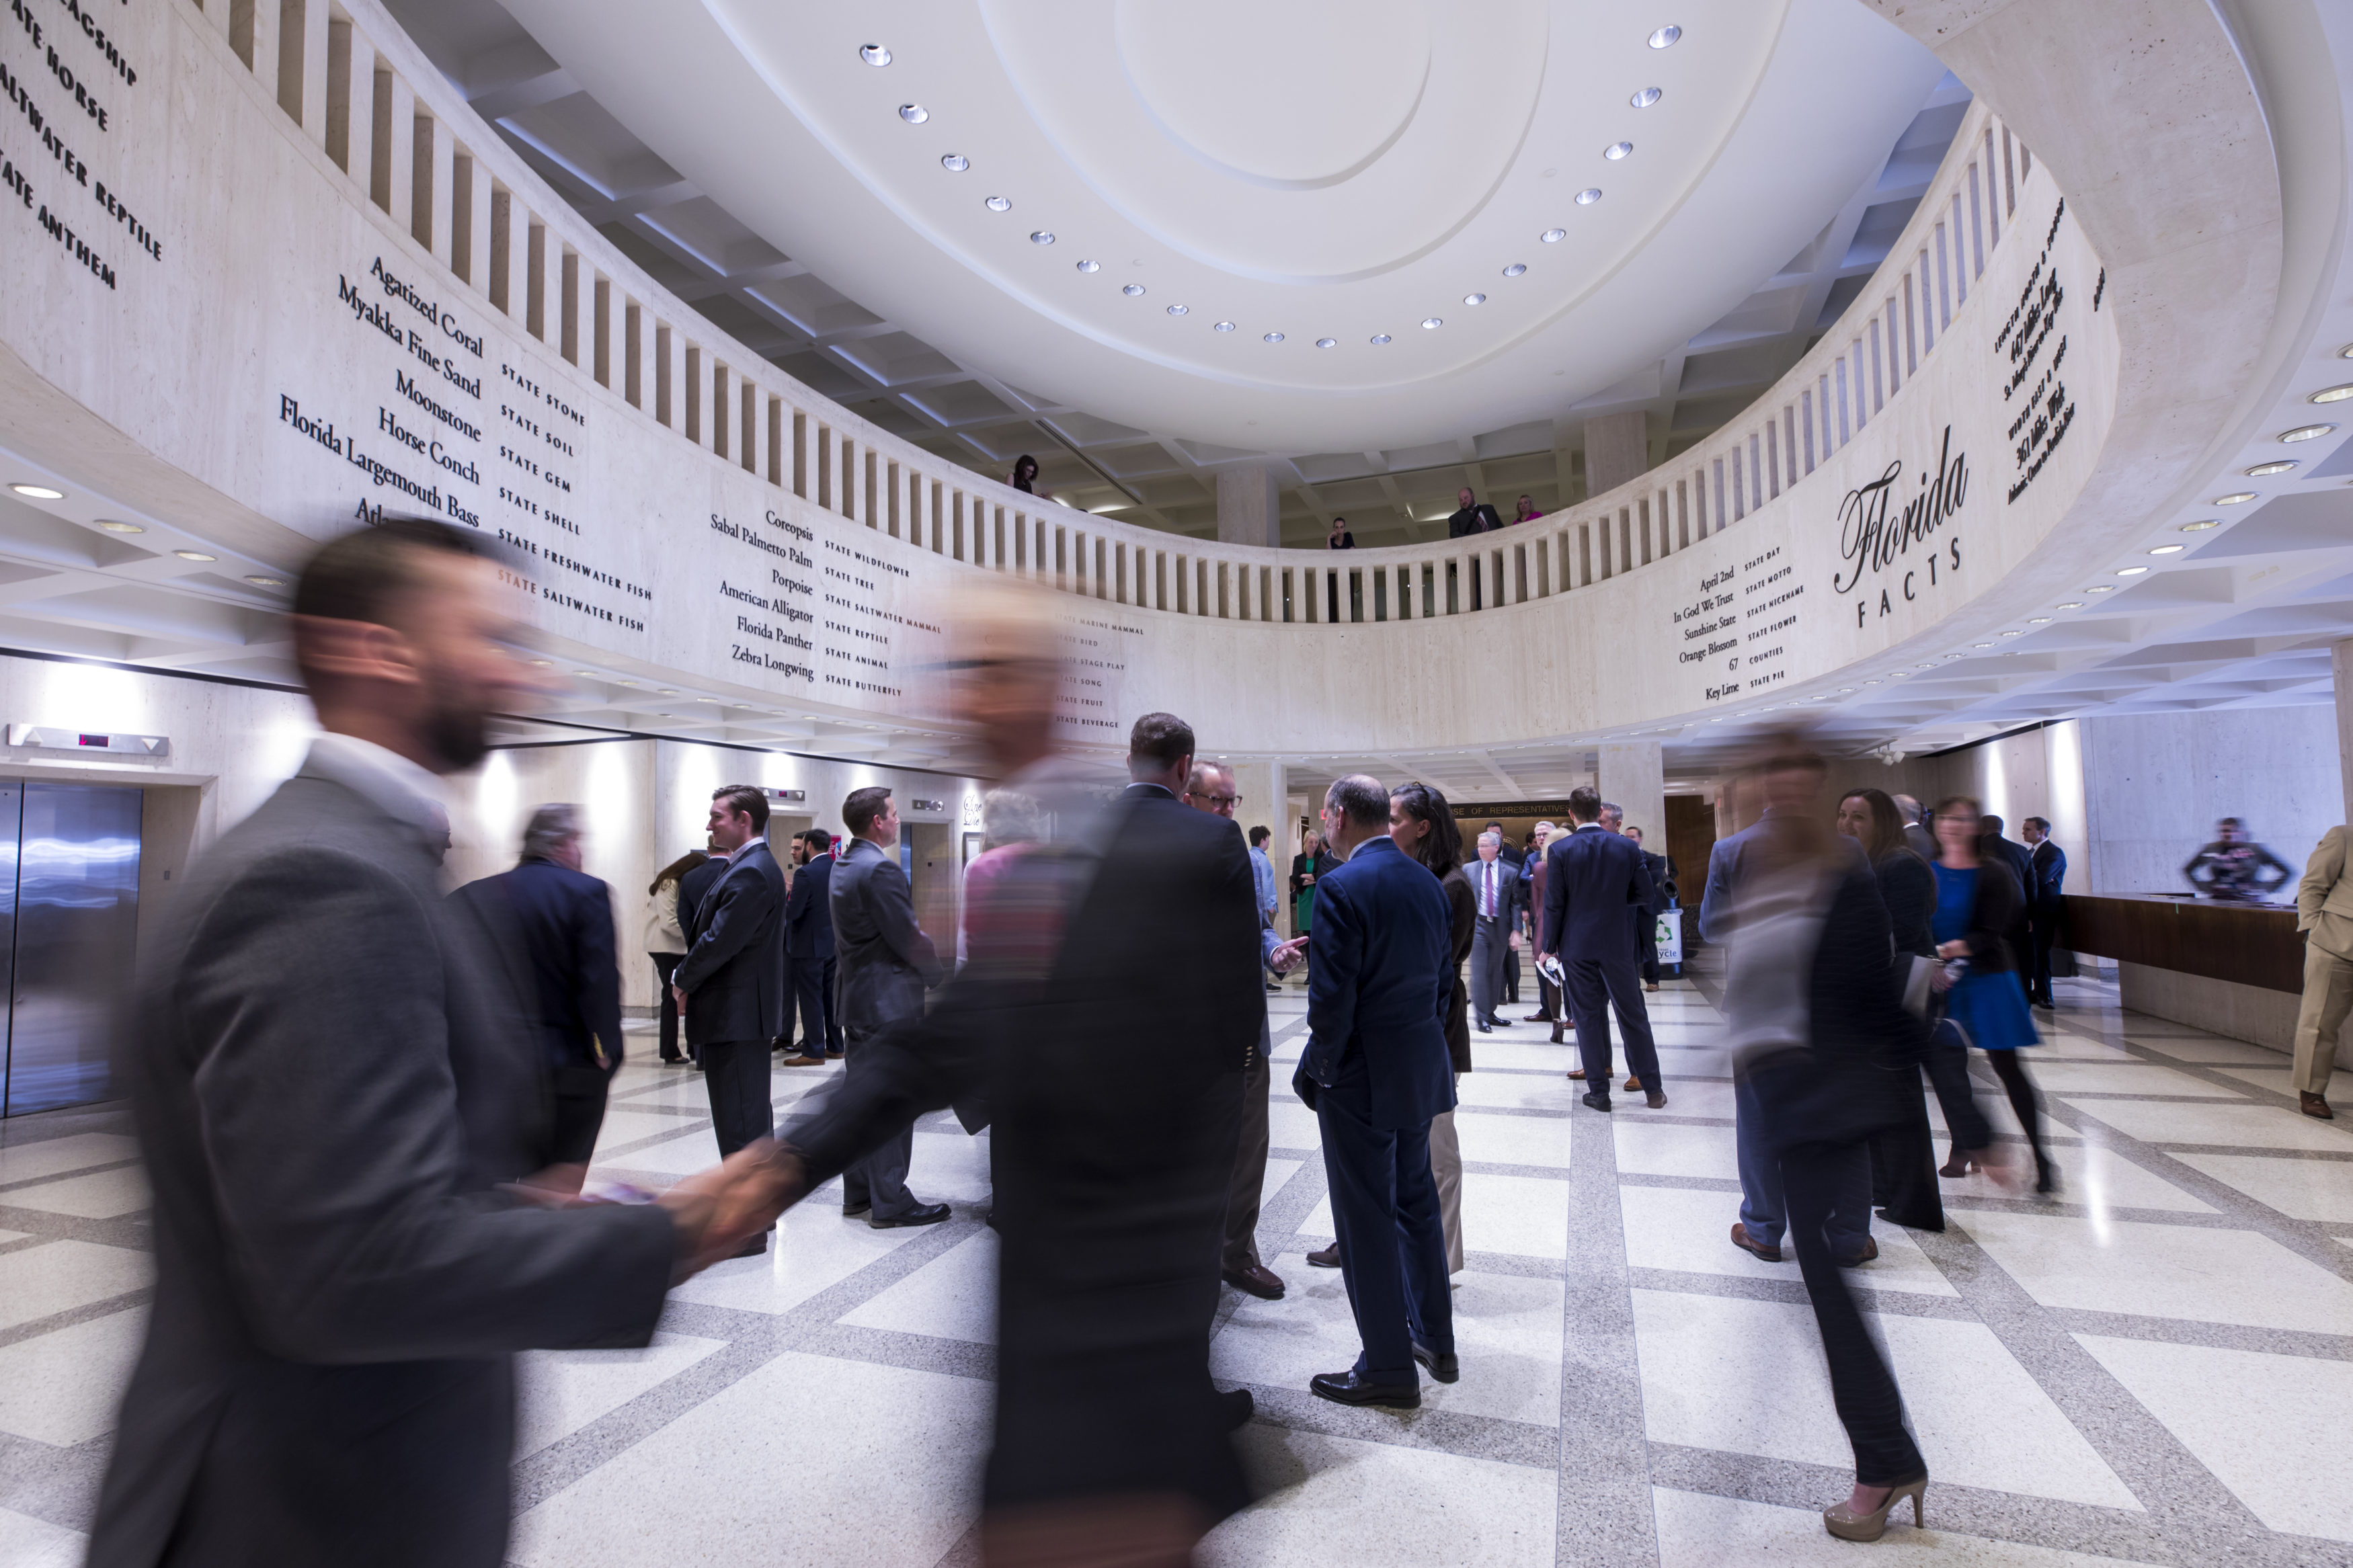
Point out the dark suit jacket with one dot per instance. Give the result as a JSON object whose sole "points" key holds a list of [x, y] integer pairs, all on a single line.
{"points": [[1509, 888], [1663, 881], [1591, 878], [808, 913], [693, 889], [1462, 913], [1111, 1161], [885, 962], [1378, 989], [556, 931], [329, 1085], [734, 971], [2049, 864], [1478, 518]]}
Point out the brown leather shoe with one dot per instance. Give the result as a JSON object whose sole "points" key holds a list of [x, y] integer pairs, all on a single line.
{"points": [[1633, 1084], [1870, 1250], [1256, 1279], [1656, 1100], [2315, 1105], [1576, 1072], [1748, 1244], [800, 1061], [1538, 1016], [1326, 1256]]}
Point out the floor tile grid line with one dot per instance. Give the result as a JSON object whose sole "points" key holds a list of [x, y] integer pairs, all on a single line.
{"points": [[58, 1485], [1453, 1432], [1792, 1292], [1605, 1515], [2206, 1336], [25, 1243], [105, 1308], [1280, 1216], [130, 1232], [2199, 1516], [98, 1169]]}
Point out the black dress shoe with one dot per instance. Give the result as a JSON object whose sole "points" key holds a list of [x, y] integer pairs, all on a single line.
{"points": [[1656, 1100], [1342, 1388], [1326, 1256], [1446, 1368], [1597, 1100], [1235, 1409], [1483, 1027], [856, 1211], [921, 1214], [753, 1244]]}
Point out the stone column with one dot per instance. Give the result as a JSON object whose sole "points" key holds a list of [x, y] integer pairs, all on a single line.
{"points": [[1633, 774], [1260, 784], [1617, 448], [2340, 664], [1249, 509]]}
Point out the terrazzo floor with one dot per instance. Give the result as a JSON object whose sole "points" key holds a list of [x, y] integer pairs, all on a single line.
{"points": [[2155, 1366]]}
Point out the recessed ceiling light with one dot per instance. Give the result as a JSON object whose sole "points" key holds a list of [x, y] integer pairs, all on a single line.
{"points": [[1179, 310], [1872, 682], [2201, 526], [2331, 394], [2101, 588], [2236, 498], [669, 691], [2038, 620], [38, 492], [2013, 632], [1618, 150], [588, 673], [1042, 236], [2130, 571], [542, 663], [1091, 266], [1588, 196], [1515, 269], [1982, 645], [194, 555], [1000, 205], [1327, 342], [713, 700], [1223, 327], [914, 113], [267, 582], [1379, 338], [1644, 98], [1899, 675], [875, 55], [956, 162], [1844, 690], [1431, 323], [2168, 549], [2306, 432], [1666, 37], [1554, 236], [1475, 298], [111, 527], [2265, 470], [1273, 337]]}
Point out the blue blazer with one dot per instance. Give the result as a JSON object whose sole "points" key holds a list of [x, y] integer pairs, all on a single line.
{"points": [[809, 922], [1592, 880], [557, 924], [1378, 991]]}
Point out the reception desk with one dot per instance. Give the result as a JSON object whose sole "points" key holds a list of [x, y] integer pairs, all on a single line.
{"points": [[2234, 969]]}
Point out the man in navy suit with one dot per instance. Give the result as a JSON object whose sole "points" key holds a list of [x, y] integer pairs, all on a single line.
{"points": [[1593, 879], [1375, 1071], [556, 926], [808, 952], [2044, 893]]}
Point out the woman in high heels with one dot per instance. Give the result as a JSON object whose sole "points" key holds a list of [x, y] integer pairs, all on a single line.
{"points": [[1978, 900]]}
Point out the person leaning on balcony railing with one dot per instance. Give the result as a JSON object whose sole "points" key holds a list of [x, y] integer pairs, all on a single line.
{"points": [[1340, 538], [1024, 478], [1476, 516], [1528, 513]]}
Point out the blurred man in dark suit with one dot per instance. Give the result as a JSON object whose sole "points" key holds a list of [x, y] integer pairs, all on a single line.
{"points": [[2045, 894], [1591, 879], [338, 1101], [2021, 861], [887, 964], [808, 951], [1646, 920], [1375, 1071], [693, 889], [556, 925], [731, 985]]}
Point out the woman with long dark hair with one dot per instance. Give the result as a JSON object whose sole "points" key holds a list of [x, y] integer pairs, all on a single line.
{"points": [[1423, 826], [1978, 900], [666, 942], [1024, 477]]}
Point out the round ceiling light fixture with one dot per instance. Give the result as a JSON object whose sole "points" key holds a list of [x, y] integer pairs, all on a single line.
{"points": [[1555, 236], [2168, 549], [2306, 432], [1516, 270], [113, 527], [2236, 498], [1618, 150], [2201, 526], [1475, 298], [1431, 323], [2331, 394], [1223, 327], [2038, 620], [1664, 38], [999, 204], [956, 162], [1644, 98], [1273, 337], [1091, 266], [2130, 571], [2101, 588], [2265, 470], [267, 582], [1133, 290], [2072, 605], [1179, 310], [914, 113], [1042, 236], [875, 55], [1588, 196], [1327, 342], [38, 492], [194, 555]]}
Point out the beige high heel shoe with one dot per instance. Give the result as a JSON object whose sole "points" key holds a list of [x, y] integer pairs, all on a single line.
{"points": [[1848, 1525]]}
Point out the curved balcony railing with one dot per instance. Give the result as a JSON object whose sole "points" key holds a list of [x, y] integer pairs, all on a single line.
{"points": [[399, 133]]}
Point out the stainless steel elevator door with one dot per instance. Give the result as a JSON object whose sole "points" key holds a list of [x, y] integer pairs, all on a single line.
{"points": [[76, 918]]}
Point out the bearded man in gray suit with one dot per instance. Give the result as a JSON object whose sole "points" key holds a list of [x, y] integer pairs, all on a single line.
{"points": [[342, 1110]]}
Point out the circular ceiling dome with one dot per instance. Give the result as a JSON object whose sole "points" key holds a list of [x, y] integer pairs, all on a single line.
{"points": [[1303, 93]]}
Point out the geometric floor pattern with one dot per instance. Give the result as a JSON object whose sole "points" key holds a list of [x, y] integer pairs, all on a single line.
{"points": [[2155, 1366]]}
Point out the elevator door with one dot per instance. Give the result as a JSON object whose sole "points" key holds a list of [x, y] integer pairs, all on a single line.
{"points": [[71, 881]]}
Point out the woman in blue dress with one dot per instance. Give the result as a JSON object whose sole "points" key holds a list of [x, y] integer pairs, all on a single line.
{"points": [[1978, 898]]}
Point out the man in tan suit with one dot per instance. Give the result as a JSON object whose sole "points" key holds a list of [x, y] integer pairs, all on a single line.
{"points": [[2323, 912]]}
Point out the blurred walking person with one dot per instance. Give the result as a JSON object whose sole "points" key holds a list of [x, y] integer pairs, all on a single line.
{"points": [[1423, 825], [1593, 878], [809, 952], [666, 943], [340, 1105], [1979, 903]]}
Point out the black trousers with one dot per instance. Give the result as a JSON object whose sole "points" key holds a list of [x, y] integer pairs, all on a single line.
{"points": [[735, 1076], [1949, 1074], [579, 1113], [1511, 976], [877, 1180], [1869, 1404], [2045, 932], [1490, 940], [1646, 937], [1592, 981], [811, 996], [665, 965], [1392, 1242]]}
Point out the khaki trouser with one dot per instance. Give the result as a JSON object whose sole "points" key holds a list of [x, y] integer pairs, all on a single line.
{"points": [[1248, 1187], [2328, 998], [1446, 1171]]}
